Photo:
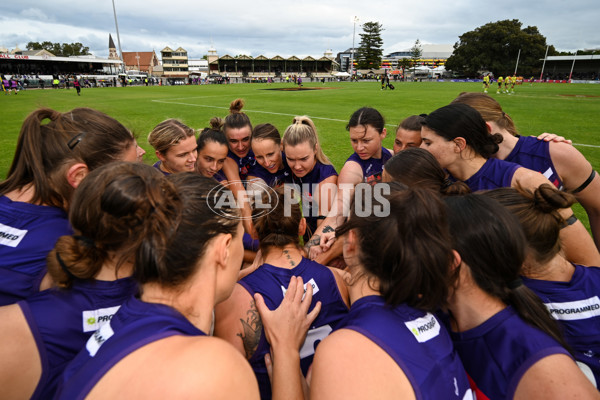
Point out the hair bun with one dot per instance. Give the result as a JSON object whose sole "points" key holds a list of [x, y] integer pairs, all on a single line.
{"points": [[236, 106], [216, 123]]}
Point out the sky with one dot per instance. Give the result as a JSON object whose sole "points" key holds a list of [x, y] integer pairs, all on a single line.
{"points": [[301, 28]]}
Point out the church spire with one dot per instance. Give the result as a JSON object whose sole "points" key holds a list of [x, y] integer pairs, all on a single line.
{"points": [[112, 49]]}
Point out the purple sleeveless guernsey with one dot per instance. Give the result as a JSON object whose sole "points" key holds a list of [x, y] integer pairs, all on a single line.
{"points": [[27, 234], [417, 342], [135, 325], [219, 176], [535, 154], [243, 163], [308, 186], [493, 174], [61, 321], [576, 306], [272, 179], [271, 282], [497, 353], [372, 168], [157, 166]]}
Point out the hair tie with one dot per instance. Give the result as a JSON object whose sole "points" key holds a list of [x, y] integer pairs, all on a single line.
{"points": [[446, 183], [515, 284], [280, 232], [86, 240], [64, 266]]}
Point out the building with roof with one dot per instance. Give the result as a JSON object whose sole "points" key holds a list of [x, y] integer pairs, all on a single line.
{"points": [[262, 67], [432, 55], [585, 67], [175, 64], [112, 49], [198, 67], [142, 61], [43, 62], [344, 59]]}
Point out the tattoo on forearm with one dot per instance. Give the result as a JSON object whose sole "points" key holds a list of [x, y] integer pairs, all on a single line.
{"points": [[252, 329], [314, 241], [328, 228]]}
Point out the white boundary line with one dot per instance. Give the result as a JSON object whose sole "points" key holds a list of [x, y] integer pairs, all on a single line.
{"points": [[249, 111], [291, 115]]}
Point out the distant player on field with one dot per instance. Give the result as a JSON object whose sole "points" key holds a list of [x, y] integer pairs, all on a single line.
{"points": [[500, 80], [513, 81], [486, 83]]}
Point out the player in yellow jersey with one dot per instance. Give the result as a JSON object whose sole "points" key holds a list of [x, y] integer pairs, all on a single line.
{"points": [[506, 83], [513, 81], [500, 80], [486, 83]]}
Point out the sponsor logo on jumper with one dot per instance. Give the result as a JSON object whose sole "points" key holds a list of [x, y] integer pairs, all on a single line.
{"points": [[313, 338], [575, 310], [10, 236], [424, 328], [311, 282], [94, 319], [98, 338]]}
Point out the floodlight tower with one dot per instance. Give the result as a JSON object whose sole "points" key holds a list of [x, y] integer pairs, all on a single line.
{"points": [[118, 37], [355, 20]]}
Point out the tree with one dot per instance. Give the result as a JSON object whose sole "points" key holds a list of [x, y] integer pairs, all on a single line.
{"points": [[415, 53], [494, 47], [404, 63], [369, 50], [60, 50]]}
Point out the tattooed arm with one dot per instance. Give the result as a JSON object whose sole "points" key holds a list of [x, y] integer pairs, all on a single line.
{"points": [[350, 175], [238, 322], [251, 330]]}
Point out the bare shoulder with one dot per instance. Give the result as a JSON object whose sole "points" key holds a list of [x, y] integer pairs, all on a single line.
{"points": [[351, 173], [21, 366], [237, 321], [528, 179], [330, 179], [180, 367], [572, 166], [555, 377], [341, 277], [231, 170], [348, 365], [211, 366], [562, 152], [236, 304]]}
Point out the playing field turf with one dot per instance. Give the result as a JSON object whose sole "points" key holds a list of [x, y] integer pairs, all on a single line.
{"points": [[571, 110]]}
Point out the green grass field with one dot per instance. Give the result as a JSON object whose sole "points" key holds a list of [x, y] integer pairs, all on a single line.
{"points": [[571, 110]]}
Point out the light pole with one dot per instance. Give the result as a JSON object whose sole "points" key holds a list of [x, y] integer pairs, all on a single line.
{"points": [[118, 37], [355, 20]]}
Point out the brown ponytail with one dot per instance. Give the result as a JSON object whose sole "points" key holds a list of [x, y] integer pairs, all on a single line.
{"points": [[113, 209]]}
